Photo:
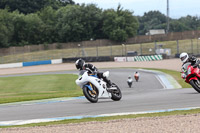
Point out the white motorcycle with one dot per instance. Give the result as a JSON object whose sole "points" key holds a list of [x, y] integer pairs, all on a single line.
{"points": [[95, 88], [130, 82]]}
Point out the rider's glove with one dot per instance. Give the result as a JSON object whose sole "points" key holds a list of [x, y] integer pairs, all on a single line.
{"points": [[193, 58], [94, 73], [183, 75], [196, 64]]}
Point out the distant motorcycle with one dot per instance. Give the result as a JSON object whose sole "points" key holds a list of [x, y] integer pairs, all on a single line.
{"points": [[191, 76], [130, 82], [95, 88], [136, 76]]}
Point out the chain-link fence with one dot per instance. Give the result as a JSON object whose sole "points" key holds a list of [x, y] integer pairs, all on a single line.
{"points": [[168, 48]]}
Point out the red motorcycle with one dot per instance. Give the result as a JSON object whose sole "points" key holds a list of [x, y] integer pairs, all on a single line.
{"points": [[136, 76], [191, 75]]}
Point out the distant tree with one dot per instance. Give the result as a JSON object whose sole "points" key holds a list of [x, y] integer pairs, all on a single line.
{"points": [[77, 23], [151, 20], [31, 6], [28, 29], [176, 26], [48, 17], [6, 28], [192, 22], [119, 25], [19, 29], [91, 21], [157, 20], [65, 2], [34, 29]]}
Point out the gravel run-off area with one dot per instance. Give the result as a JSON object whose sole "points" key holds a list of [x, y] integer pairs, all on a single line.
{"points": [[164, 124]]}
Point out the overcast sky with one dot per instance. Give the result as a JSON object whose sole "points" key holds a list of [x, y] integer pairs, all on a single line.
{"points": [[177, 8]]}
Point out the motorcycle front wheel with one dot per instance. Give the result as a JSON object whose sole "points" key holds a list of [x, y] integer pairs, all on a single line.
{"points": [[90, 95], [116, 94], [129, 84], [195, 84]]}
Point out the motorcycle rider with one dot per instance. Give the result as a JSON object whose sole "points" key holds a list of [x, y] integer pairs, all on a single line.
{"points": [[136, 75], [81, 65], [185, 58], [130, 80]]}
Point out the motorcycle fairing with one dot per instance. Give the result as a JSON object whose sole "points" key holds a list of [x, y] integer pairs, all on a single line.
{"points": [[191, 73], [98, 83]]}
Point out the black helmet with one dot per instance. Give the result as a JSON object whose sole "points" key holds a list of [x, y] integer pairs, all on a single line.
{"points": [[79, 64]]}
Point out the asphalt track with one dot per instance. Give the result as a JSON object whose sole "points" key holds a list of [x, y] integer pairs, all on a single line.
{"points": [[146, 95]]}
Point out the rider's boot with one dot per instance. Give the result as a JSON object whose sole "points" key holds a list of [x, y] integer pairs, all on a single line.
{"points": [[108, 82]]}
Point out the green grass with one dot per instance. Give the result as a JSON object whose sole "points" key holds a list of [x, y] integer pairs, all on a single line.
{"points": [[175, 74], [180, 112], [25, 88]]}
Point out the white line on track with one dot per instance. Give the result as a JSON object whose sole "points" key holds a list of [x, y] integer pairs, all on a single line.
{"points": [[22, 122]]}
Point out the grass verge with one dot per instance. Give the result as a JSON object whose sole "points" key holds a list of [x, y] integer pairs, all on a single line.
{"points": [[25, 88], [175, 74], [179, 112]]}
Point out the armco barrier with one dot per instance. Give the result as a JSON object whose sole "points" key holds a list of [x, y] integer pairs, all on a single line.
{"points": [[24, 64], [11, 65], [57, 61], [45, 62], [33, 63], [138, 58]]}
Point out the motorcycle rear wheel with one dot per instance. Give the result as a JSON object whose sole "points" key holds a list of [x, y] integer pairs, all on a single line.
{"points": [[129, 84], [93, 98], [136, 79], [116, 94], [195, 84]]}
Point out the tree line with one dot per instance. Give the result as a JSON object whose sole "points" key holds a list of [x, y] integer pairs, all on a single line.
{"points": [[157, 20], [49, 21]]}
